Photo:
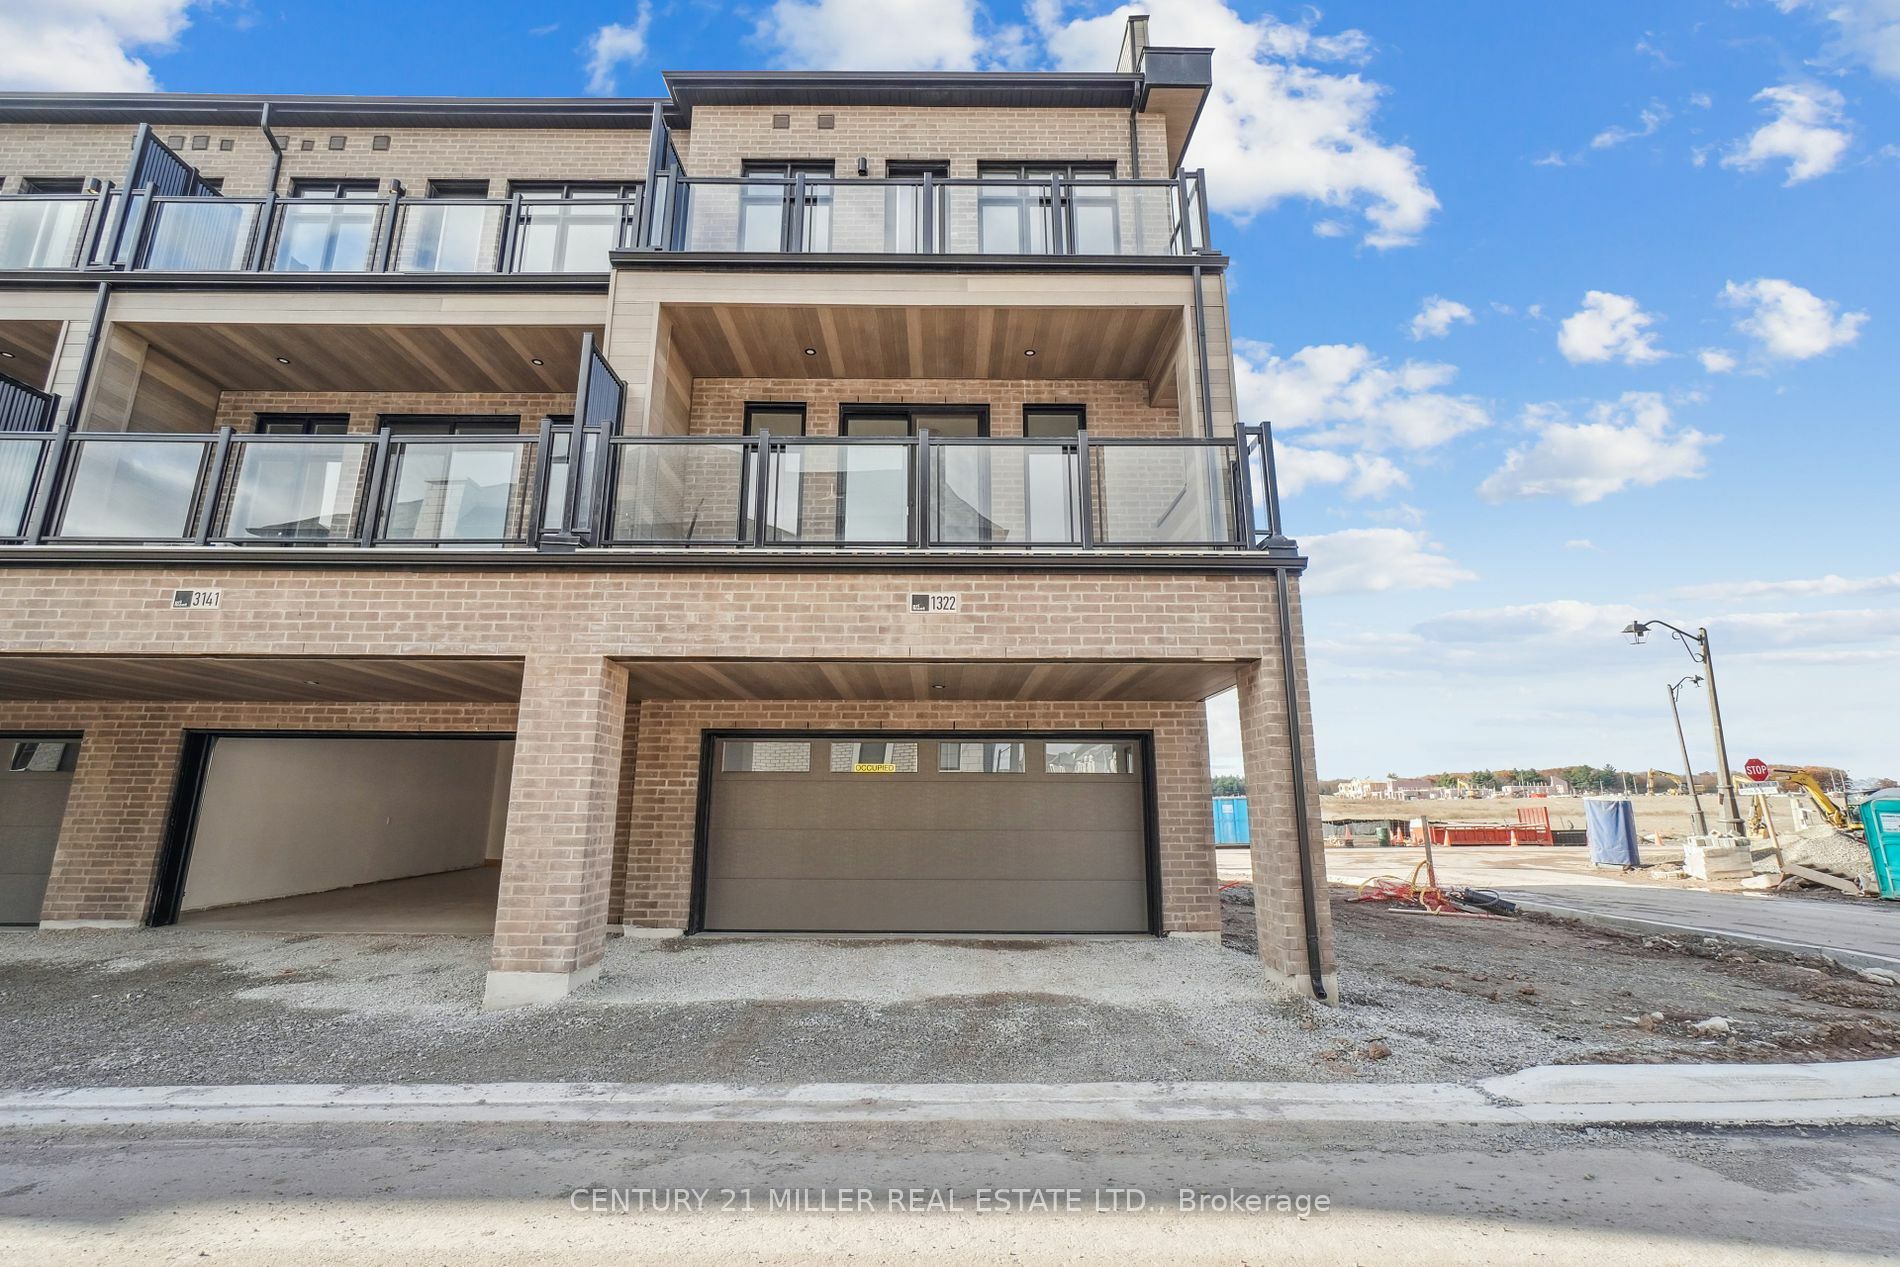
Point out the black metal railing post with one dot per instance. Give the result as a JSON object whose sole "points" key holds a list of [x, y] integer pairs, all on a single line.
{"points": [[212, 484], [796, 225], [920, 490], [1240, 480], [1271, 479], [96, 231], [927, 213], [762, 494], [1184, 202], [1200, 207], [386, 232], [141, 231], [540, 482], [39, 519], [510, 234], [1058, 217], [1085, 487], [266, 229], [373, 483]]}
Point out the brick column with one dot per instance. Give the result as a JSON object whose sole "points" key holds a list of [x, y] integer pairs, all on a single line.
{"points": [[114, 826], [1266, 752], [557, 856]]}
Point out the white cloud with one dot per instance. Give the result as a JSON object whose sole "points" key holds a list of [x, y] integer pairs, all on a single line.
{"points": [[1580, 543], [613, 46], [1377, 561], [1789, 322], [879, 35], [85, 45], [1349, 396], [1437, 317], [1277, 125], [1866, 31], [1717, 361], [1363, 475], [1829, 586], [1561, 619], [1651, 118], [1609, 327], [1630, 441], [1809, 129]]}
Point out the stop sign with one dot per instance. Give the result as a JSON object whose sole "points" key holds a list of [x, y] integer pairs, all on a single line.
{"points": [[1756, 769]]}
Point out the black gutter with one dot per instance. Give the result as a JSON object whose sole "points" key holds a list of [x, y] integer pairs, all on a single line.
{"points": [[238, 109], [276, 150], [613, 560], [75, 413], [1290, 682]]}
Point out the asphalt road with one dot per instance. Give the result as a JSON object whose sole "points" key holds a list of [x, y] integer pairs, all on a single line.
{"points": [[1393, 1195]]}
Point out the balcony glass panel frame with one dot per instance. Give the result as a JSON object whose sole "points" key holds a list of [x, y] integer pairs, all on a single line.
{"points": [[458, 474], [327, 474], [200, 235], [553, 234], [45, 231], [1204, 505], [23, 456], [854, 485], [101, 491], [326, 235], [637, 457], [1040, 478], [450, 235]]}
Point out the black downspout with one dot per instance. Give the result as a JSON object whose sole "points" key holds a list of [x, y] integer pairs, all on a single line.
{"points": [[77, 414], [1291, 679], [1200, 343], [276, 154]]}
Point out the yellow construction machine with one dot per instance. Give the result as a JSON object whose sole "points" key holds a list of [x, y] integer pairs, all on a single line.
{"points": [[1837, 818]]}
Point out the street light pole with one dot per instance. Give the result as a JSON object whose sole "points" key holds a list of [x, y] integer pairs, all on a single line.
{"points": [[1697, 644], [1688, 767]]}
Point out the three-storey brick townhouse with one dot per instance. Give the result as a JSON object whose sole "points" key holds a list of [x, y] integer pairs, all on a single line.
{"points": [[801, 503]]}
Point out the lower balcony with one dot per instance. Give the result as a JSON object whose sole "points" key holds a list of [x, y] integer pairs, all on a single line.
{"points": [[527, 492]]}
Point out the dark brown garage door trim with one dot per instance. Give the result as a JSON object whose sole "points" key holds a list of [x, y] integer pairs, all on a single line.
{"points": [[1142, 739], [181, 815]]}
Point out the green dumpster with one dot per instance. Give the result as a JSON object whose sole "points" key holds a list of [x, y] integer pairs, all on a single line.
{"points": [[1880, 815]]}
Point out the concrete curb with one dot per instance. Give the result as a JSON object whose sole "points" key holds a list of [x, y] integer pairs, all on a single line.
{"points": [[1604, 1095], [1634, 924]]}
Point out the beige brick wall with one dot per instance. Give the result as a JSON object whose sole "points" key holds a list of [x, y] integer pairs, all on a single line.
{"points": [[128, 762], [240, 409], [657, 886], [723, 138], [415, 155], [367, 610], [1114, 408]]}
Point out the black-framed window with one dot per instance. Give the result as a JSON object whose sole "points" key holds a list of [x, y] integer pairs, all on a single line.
{"points": [[781, 418], [458, 189], [573, 239], [333, 188], [953, 421], [450, 424], [1054, 422], [40, 756], [903, 205], [1019, 218], [765, 208], [303, 424], [52, 184]]}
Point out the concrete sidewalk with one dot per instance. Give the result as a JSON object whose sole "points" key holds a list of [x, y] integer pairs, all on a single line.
{"points": [[1855, 932], [1822, 1094]]}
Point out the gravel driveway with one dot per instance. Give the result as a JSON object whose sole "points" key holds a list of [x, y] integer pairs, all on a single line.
{"points": [[1424, 1000]]}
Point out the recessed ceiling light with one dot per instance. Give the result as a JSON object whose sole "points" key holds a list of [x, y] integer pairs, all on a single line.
{"points": [[811, 351], [1029, 351], [8, 355], [283, 360], [534, 360], [310, 681]]}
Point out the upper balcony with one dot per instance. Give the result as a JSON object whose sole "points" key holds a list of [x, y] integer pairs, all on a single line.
{"points": [[1050, 218]]}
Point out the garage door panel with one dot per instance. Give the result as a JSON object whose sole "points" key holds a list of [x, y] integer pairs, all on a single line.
{"points": [[947, 855], [925, 906], [926, 850], [32, 805]]}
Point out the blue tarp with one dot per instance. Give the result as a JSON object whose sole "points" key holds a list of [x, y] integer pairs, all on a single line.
{"points": [[1612, 829]]}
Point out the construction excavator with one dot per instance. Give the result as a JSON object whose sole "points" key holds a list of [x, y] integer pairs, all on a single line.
{"points": [[1837, 818]]}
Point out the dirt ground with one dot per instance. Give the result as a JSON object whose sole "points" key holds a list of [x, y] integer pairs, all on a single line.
{"points": [[1605, 989], [1669, 815]]}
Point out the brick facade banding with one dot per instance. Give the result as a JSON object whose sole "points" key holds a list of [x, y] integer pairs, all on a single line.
{"points": [[1115, 409]]}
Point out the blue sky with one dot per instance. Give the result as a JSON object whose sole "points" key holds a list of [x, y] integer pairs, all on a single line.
{"points": [[1657, 381]]}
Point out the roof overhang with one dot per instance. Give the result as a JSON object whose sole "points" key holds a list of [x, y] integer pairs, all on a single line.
{"points": [[1043, 90], [234, 110]]}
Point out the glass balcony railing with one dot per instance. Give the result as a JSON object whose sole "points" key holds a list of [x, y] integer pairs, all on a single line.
{"points": [[526, 234], [937, 217], [735, 492], [43, 231]]}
